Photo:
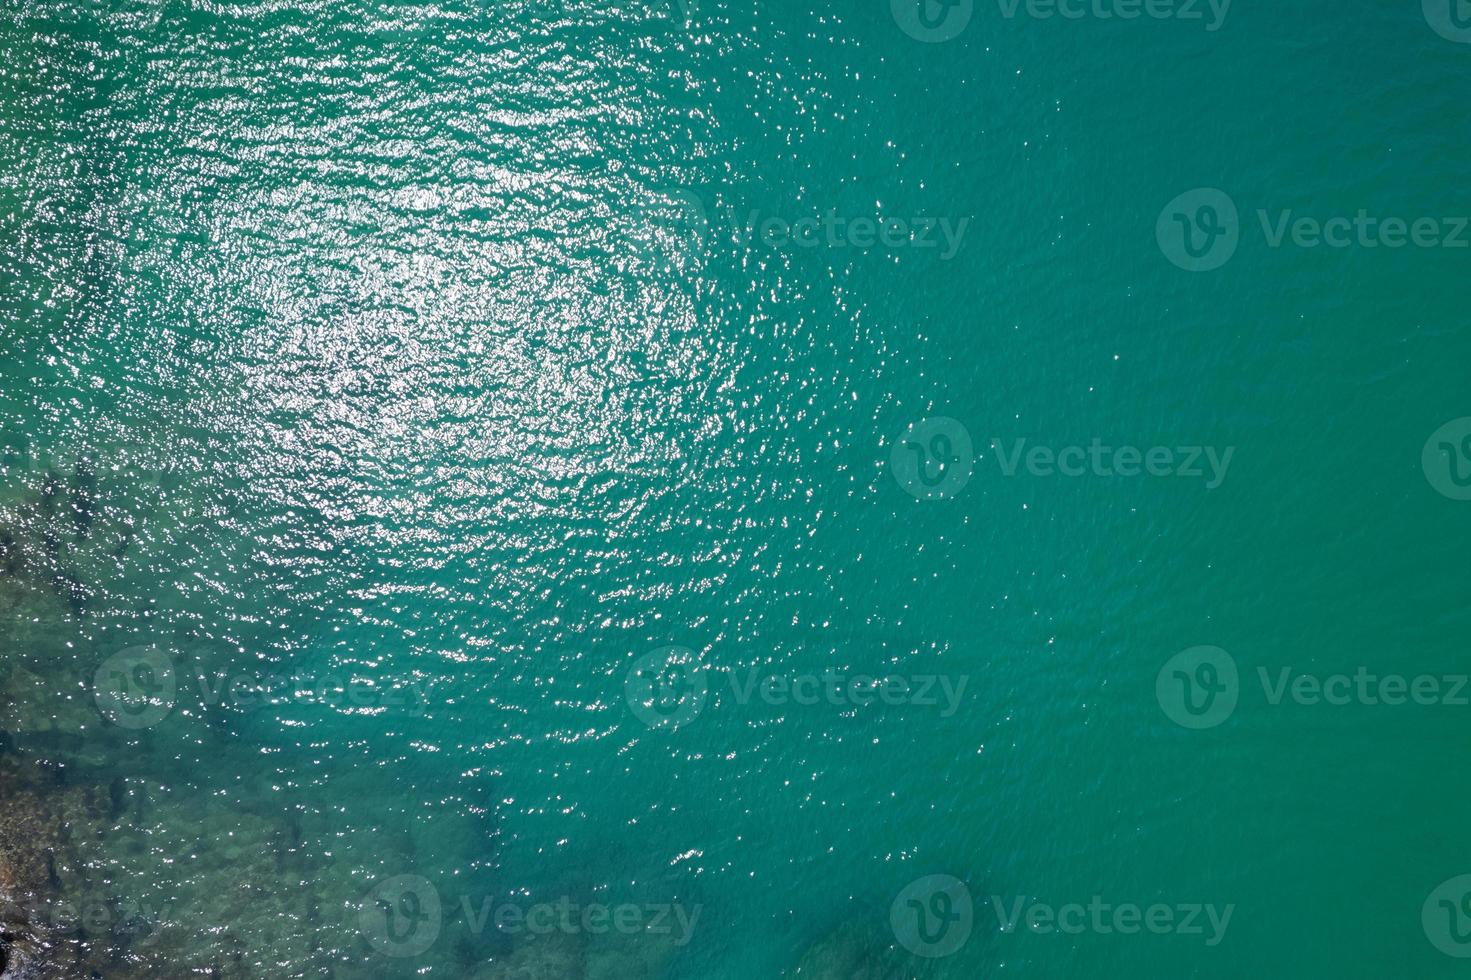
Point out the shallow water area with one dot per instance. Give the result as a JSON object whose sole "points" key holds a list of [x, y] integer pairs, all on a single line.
{"points": [[466, 511]]}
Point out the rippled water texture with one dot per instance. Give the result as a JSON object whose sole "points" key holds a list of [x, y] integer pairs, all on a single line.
{"points": [[383, 384]]}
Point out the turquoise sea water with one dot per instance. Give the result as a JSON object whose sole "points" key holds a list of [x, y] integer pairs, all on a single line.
{"points": [[387, 386]]}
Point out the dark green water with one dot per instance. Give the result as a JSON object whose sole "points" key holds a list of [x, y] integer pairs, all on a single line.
{"points": [[386, 387]]}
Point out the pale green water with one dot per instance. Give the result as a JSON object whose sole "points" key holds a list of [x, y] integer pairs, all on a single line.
{"points": [[410, 351]]}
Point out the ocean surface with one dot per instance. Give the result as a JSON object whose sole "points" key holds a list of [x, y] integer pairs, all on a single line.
{"points": [[790, 489]]}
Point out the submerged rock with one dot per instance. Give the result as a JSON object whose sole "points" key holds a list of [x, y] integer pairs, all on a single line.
{"points": [[9, 553], [83, 500], [62, 917], [46, 699], [643, 956], [554, 957], [856, 950], [31, 704], [582, 956], [22, 951], [66, 532], [30, 836]]}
